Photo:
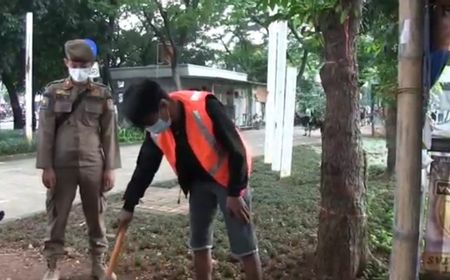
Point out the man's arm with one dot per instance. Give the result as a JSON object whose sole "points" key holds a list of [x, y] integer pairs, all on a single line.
{"points": [[46, 132], [109, 135], [228, 137], [148, 162]]}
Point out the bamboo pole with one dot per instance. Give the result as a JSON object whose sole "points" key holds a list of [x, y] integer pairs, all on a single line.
{"points": [[404, 259]]}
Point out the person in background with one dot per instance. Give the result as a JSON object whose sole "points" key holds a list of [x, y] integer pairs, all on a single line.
{"points": [[77, 146], [308, 119], [192, 130]]}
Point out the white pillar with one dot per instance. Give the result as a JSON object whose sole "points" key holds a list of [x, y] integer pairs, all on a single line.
{"points": [[280, 87], [29, 77], [270, 101], [288, 124]]}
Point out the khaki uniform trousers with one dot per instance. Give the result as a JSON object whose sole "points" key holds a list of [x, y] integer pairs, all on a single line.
{"points": [[59, 203]]}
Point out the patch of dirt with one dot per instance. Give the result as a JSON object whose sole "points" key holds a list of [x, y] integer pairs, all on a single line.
{"points": [[16, 264], [30, 265]]}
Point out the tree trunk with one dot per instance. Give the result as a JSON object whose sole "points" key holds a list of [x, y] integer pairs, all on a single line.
{"points": [[342, 237], [14, 101], [174, 66], [391, 136]]}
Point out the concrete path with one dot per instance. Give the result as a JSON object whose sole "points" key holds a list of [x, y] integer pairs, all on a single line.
{"points": [[22, 194]]}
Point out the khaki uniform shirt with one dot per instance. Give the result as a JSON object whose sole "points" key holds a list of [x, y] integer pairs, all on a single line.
{"points": [[87, 138]]}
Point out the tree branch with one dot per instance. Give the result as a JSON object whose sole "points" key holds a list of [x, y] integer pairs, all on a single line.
{"points": [[157, 32], [225, 45], [259, 22], [295, 33], [303, 65], [166, 23]]}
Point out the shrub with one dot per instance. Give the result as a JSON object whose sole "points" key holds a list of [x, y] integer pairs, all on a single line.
{"points": [[13, 142], [130, 135]]}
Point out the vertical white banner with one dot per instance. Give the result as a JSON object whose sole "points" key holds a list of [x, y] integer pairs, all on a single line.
{"points": [[279, 95], [270, 101], [288, 123], [29, 77]]}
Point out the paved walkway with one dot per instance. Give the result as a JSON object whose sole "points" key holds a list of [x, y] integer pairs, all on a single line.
{"points": [[22, 194]]}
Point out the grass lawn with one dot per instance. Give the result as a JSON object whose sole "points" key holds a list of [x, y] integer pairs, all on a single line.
{"points": [[286, 216]]}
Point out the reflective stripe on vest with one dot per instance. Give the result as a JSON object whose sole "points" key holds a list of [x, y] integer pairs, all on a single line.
{"points": [[212, 143]]}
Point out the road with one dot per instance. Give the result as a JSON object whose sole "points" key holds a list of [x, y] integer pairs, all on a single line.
{"points": [[22, 194]]}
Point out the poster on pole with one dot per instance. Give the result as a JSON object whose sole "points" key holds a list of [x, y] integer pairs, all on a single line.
{"points": [[436, 256]]}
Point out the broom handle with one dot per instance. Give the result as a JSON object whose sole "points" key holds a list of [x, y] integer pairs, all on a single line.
{"points": [[116, 252]]}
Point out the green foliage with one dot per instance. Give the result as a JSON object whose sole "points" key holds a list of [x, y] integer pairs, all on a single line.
{"points": [[14, 142], [312, 97], [131, 135], [248, 58], [378, 47]]}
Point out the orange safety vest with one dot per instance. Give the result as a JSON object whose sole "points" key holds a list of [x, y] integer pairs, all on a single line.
{"points": [[199, 130]]}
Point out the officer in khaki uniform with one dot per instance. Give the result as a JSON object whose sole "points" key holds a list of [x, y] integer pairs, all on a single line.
{"points": [[77, 146]]}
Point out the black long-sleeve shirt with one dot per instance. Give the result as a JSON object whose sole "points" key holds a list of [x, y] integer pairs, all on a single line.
{"points": [[188, 167]]}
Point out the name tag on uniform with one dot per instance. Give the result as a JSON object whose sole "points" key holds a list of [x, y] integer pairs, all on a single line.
{"points": [[63, 106]]}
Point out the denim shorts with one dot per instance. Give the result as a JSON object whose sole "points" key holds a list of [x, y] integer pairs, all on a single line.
{"points": [[204, 199]]}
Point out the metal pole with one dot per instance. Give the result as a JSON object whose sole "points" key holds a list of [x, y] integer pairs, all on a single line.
{"points": [[409, 139], [29, 78]]}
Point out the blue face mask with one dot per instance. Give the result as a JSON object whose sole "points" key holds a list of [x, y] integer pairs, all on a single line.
{"points": [[159, 127]]}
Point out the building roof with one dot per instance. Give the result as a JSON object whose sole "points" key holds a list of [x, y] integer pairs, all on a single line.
{"points": [[185, 70]]}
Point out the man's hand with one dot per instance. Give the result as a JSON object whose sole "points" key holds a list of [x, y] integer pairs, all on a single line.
{"points": [[49, 178], [125, 218], [238, 208], [109, 177]]}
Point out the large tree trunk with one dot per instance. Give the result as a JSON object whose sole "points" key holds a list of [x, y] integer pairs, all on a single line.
{"points": [[14, 101], [342, 237], [391, 139]]}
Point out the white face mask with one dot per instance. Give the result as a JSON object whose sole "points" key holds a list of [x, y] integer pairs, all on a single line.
{"points": [[79, 75], [159, 127]]}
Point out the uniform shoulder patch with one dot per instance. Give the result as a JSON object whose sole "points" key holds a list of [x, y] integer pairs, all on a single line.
{"points": [[99, 84], [44, 103], [99, 90], [110, 104]]}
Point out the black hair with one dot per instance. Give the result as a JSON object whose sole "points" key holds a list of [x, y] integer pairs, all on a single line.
{"points": [[142, 98]]}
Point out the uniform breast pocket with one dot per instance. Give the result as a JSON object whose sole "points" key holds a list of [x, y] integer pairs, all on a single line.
{"points": [[92, 112], [63, 106]]}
